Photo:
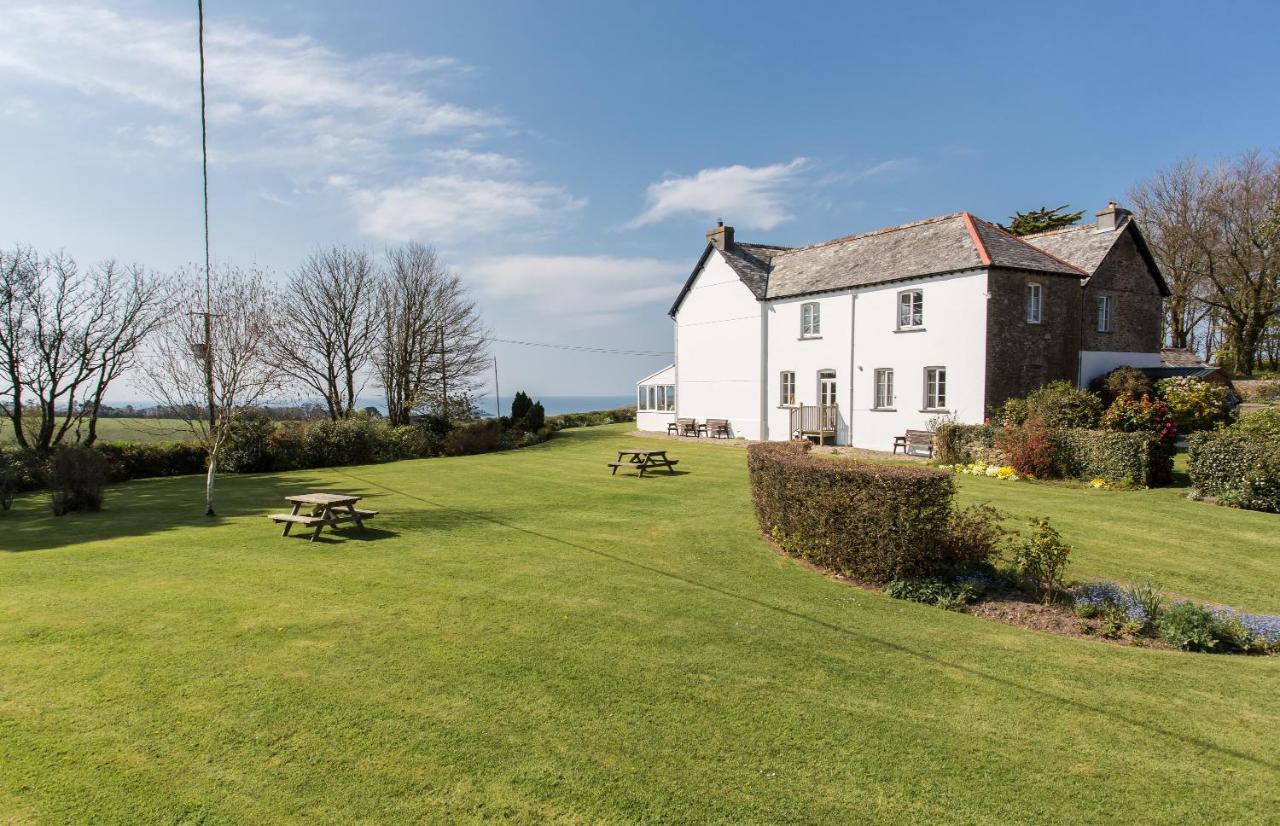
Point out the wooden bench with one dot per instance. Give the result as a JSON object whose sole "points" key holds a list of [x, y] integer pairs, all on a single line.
{"points": [[914, 441], [291, 519], [689, 427], [718, 427]]}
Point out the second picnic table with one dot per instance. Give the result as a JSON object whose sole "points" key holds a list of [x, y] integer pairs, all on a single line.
{"points": [[643, 460], [326, 509]]}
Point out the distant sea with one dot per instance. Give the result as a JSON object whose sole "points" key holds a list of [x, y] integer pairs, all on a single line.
{"points": [[554, 405]]}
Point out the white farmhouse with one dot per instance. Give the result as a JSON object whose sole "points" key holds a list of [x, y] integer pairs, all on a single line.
{"points": [[858, 339]]}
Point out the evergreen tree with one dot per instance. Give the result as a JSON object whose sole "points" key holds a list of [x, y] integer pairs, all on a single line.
{"points": [[520, 406], [537, 417], [1042, 220]]}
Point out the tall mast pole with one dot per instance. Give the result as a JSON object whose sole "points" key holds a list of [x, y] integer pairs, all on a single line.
{"points": [[208, 276]]}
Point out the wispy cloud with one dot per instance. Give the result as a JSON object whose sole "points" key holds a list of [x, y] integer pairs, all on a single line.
{"points": [[452, 206], [887, 168], [748, 196], [579, 290]]}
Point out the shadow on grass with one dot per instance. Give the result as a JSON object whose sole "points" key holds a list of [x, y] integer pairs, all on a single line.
{"points": [[899, 648], [149, 506]]}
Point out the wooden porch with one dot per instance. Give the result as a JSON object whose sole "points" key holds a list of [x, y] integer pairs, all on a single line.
{"points": [[815, 420]]}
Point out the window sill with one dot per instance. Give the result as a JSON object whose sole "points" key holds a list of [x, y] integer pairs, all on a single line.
{"points": [[909, 330], [788, 407], [942, 410], [884, 410], [809, 338]]}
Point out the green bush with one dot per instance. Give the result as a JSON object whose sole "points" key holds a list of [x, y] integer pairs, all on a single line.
{"points": [[1041, 559], [1262, 423], [872, 522], [353, 441], [407, 442], [945, 593], [956, 444], [248, 444], [1121, 382], [473, 438], [1129, 458], [1029, 448], [1128, 414], [597, 417], [144, 460], [1057, 404], [1188, 626], [1195, 405], [1237, 465], [77, 479]]}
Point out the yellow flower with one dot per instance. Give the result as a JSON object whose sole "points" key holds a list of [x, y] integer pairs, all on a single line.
{"points": [[1098, 484]]}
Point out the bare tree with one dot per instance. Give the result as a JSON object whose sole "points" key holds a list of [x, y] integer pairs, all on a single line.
{"points": [[325, 335], [65, 336], [243, 372], [432, 342], [1222, 228]]}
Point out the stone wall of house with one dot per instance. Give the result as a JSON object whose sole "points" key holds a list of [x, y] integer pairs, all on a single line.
{"points": [[1021, 355], [1137, 308]]}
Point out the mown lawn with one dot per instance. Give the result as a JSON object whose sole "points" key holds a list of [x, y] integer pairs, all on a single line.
{"points": [[527, 638]]}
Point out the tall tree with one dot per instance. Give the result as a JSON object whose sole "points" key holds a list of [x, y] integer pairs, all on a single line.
{"points": [[1226, 220], [243, 371], [65, 335], [432, 341], [1042, 220], [326, 335]]}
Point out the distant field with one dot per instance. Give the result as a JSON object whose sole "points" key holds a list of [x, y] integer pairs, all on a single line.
{"points": [[129, 430]]}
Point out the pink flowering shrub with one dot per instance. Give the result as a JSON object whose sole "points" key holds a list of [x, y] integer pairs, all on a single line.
{"points": [[1129, 415]]}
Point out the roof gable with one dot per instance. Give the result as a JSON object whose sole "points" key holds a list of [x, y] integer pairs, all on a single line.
{"points": [[1087, 247], [749, 261]]}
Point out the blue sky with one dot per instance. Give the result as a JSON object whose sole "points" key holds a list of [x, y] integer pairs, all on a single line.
{"points": [[566, 158]]}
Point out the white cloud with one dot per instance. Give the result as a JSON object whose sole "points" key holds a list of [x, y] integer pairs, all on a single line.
{"points": [[452, 206], [746, 196], [466, 160], [580, 290]]}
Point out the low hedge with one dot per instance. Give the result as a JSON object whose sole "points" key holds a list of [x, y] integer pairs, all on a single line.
{"points": [[872, 522], [617, 415], [1238, 467], [1128, 458], [139, 460]]}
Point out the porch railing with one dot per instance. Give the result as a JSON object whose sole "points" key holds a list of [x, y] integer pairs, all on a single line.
{"points": [[814, 420]]}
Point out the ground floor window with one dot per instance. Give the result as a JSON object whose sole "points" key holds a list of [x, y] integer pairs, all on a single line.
{"points": [[884, 388], [659, 397], [935, 388], [787, 388]]}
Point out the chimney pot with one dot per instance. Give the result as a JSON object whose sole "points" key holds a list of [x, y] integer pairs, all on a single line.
{"points": [[721, 237], [1111, 217]]}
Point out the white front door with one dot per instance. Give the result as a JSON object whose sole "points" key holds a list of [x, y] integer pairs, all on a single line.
{"points": [[827, 387]]}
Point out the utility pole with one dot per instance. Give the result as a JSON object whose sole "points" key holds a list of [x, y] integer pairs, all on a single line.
{"points": [[497, 396], [208, 278], [444, 378]]}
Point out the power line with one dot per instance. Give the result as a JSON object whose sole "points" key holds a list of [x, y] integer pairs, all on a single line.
{"points": [[582, 348]]}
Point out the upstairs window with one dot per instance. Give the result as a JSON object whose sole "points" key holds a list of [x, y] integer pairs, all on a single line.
{"points": [[910, 309], [1104, 314], [884, 388], [787, 388], [810, 320], [935, 388], [1034, 299]]}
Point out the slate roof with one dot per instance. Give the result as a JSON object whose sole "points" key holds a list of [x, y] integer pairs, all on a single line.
{"points": [[751, 262], [1180, 357], [1082, 245], [948, 243]]}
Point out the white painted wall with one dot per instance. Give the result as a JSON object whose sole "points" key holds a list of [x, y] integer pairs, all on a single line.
{"points": [[654, 419], [831, 350], [718, 350], [954, 337], [1094, 363]]}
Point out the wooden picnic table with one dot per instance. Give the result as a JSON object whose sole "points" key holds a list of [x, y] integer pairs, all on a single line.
{"points": [[643, 460], [326, 509]]}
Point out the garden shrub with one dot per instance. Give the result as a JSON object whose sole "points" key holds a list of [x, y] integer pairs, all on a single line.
{"points": [[1190, 627], [1041, 559], [1030, 450], [1056, 404], [77, 478], [1194, 404], [1121, 382], [1238, 466], [564, 421], [1128, 414], [353, 441], [1128, 458], [144, 460], [956, 444], [871, 522], [1263, 423], [407, 442], [945, 592], [247, 448], [473, 438]]}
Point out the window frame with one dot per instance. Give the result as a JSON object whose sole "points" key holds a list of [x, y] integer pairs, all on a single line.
{"points": [[829, 373], [878, 376], [1105, 312], [811, 327], [935, 398], [787, 382], [913, 313], [1035, 298], [642, 398]]}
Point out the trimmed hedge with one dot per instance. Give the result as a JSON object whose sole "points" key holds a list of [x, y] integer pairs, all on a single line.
{"points": [[871, 522], [564, 421], [1129, 458], [1239, 467], [140, 460]]}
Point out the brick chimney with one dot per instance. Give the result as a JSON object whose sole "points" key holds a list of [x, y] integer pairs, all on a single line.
{"points": [[1111, 217], [721, 237]]}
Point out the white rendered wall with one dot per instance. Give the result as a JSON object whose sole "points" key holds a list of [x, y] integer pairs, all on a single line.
{"points": [[954, 337], [832, 349], [718, 358], [1095, 363]]}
